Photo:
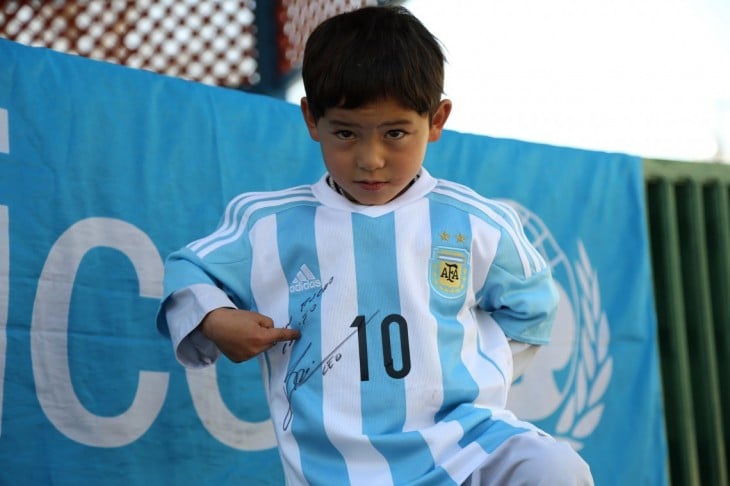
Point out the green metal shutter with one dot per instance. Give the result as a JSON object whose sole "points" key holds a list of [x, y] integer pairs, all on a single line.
{"points": [[689, 225]]}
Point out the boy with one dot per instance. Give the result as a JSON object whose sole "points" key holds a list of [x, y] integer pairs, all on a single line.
{"points": [[384, 305]]}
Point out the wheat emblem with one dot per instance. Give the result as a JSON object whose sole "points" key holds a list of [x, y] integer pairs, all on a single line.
{"points": [[584, 408]]}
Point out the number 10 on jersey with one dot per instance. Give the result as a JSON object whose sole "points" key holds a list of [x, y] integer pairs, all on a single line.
{"points": [[388, 323]]}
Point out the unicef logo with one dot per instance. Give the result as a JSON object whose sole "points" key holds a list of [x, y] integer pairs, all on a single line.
{"points": [[567, 380]]}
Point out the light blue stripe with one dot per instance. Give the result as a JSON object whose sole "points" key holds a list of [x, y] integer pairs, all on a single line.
{"points": [[378, 295], [459, 387], [321, 461], [383, 396], [492, 434], [480, 427]]}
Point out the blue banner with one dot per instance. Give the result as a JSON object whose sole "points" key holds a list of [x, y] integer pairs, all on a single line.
{"points": [[104, 170]]}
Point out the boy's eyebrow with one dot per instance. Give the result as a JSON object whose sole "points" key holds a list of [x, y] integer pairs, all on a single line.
{"points": [[389, 123]]}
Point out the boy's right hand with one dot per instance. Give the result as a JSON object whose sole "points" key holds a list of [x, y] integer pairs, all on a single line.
{"points": [[241, 335]]}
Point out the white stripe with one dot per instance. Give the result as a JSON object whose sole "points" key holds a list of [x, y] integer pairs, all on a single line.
{"points": [[468, 459], [423, 384], [270, 292], [4, 132], [307, 272], [266, 267], [522, 250], [232, 209], [238, 229], [4, 297], [450, 259]]}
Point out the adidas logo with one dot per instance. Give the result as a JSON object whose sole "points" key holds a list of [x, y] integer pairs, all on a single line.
{"points": [[305, 280]]}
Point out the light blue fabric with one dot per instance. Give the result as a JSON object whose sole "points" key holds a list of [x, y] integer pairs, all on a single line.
{"points": [[109, 169]]}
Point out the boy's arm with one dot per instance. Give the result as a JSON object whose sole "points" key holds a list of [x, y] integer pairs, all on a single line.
{"points": [[522, 356], [518, 290], [525, 310], [181, 314], [524, 307], [202, 309], [241, 335], [523, 302], [204, 323]]}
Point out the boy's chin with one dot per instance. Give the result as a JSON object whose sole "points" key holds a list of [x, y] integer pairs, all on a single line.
{"points": [[366, 198]]}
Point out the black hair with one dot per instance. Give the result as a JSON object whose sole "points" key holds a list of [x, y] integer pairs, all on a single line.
{"points": [[371, 54]]}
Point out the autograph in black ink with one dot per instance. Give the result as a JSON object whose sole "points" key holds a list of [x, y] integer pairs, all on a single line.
{"points": [[312, 303], [299, 376]]}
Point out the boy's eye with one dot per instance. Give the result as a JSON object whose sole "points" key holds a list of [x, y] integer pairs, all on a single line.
{"points": [[395, 134], [344, 134]]}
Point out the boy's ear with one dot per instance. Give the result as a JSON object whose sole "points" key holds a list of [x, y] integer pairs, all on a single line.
{"points": [[438, 120], [309, 119]]}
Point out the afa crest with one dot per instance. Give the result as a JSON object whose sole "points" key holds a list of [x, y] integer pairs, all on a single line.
{"points": [[449, 271]]}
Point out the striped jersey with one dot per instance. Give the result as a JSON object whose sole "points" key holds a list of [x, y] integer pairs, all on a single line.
{"points": [[405, 310]]}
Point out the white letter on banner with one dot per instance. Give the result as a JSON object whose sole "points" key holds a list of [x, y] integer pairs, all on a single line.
{"points": [[4, 299], [4, 132], [219, 421], [49, 329]]}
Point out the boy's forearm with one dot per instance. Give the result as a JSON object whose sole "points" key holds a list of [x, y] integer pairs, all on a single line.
{"points": [[522, 356], [184, 310]]}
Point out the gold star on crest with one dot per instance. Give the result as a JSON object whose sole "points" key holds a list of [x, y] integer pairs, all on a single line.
{"points": [[444, 236], [460, 238]]}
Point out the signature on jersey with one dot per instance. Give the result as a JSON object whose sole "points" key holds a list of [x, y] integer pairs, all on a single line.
{"points": [[299, 375], [309, 305]]}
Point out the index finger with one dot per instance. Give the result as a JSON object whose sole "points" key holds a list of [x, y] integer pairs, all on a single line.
{"points": [[285, 334]]}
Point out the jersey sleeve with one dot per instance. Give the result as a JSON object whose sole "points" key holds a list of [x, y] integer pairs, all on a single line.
{"points": [[519, 290], [182, 312], [195, 283]]}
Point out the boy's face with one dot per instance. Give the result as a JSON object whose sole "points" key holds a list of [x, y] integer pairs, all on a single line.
{"points": [[374, 152]]}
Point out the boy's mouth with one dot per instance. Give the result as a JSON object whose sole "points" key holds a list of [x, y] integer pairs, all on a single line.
{"points": [[371, 185]]}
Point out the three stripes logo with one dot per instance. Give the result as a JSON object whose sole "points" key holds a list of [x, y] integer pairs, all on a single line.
{"points": [[304, 280]]}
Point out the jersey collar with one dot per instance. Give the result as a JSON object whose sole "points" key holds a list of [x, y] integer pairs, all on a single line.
{"points": [[327, 192]]}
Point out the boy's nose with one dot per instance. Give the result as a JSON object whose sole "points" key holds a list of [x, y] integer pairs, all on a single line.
{"points": [[370, 158]]}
